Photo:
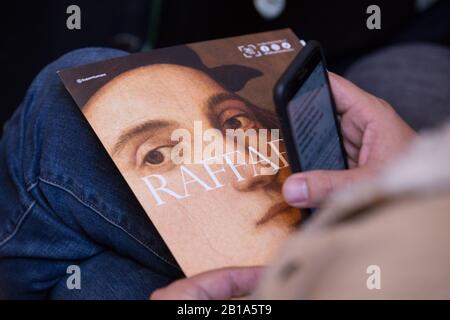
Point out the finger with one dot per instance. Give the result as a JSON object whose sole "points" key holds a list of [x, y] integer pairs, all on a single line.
{"points": [[310, 189], [352, 163], [212, 285], [351, 150], [347, 95]]}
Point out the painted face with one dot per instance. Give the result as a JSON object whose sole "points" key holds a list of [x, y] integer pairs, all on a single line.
{"points": [[236, 215]]}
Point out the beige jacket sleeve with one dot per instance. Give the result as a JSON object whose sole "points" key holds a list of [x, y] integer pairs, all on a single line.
{"points": [[388, 238]]}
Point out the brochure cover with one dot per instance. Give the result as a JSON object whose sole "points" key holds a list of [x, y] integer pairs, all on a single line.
{"points": [[193, 130]]}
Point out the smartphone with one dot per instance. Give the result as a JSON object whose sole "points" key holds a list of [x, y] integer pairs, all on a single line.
{"points": [[309, 122]]}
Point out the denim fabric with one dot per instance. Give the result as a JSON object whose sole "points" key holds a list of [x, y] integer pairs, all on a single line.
{"points": [[63, 202]]}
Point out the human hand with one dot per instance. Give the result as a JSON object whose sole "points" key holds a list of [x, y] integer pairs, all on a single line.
{"points": [[372, 133], [218, 284]]}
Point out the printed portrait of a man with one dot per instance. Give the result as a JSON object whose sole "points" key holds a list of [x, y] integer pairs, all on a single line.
{"points": [[210, 215]]}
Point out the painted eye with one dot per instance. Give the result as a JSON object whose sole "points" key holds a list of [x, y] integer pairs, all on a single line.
{"points": [[237, 122], [157, 156]]}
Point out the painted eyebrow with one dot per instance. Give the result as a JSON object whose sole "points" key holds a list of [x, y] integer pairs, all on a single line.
{"points": [[148, 126], [221, 97]]}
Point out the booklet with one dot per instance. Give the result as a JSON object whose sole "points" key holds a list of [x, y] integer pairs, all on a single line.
{"points": [[193, 130]]}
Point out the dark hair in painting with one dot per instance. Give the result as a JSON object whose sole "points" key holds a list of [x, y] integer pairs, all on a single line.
{"points": [[232, 77]]}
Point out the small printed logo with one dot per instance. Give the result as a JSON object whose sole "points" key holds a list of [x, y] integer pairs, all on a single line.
{"points": [[250, 51], [286, 45], [275, 47], [74, 280], [374, 278], [265, 48]]}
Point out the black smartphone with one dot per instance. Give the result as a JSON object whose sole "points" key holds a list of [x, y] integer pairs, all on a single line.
{"points": [[309, 121]]}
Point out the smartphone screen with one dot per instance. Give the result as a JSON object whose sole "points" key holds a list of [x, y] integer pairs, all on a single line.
{"points": [[313, 124]]}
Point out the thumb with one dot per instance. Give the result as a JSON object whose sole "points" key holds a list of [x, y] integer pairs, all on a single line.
{"points": [[221, 284], [310, 189]]}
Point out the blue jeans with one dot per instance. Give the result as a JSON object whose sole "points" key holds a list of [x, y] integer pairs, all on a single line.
{"points": [[63, 203]]}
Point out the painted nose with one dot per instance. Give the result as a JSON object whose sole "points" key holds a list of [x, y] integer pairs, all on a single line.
{"points": [[254, 180]]}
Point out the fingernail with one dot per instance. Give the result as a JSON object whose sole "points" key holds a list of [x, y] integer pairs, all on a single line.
{"points": [[295, 190]]}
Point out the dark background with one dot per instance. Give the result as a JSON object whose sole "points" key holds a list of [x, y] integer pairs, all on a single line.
{"points": [[34, 33]]}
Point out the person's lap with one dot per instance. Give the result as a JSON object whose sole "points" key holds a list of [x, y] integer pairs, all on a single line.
{"points": [[63, 202]]}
